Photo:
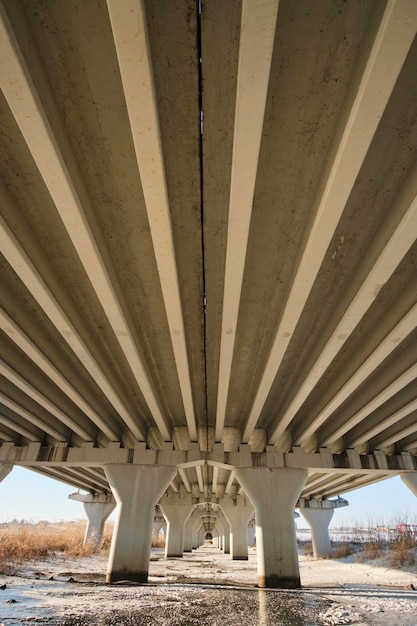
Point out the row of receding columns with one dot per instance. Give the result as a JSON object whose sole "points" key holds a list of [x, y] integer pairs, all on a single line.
{"points": [[271, 494]]}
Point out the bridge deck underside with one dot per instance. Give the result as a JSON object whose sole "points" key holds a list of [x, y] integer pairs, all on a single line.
{"points": [[251, 283]]}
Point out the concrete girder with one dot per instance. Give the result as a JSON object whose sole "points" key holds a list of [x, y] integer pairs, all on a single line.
{"points": [[58, 415], [402, 381], [384, 349], [79, 479], [232, 477], [127, 19], [31, 418], [382, 425], [185, 479], [255, 54], [23, 266], [9, 327], [390, 257], [388, 441], [20, 429], [387, 52], [336, 485], [34, 125]]}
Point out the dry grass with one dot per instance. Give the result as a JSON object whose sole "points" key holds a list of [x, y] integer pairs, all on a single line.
{"points": [[22, 543], [397, 551], [402, 551], [371, 551], [341, 550], [306, 547]]}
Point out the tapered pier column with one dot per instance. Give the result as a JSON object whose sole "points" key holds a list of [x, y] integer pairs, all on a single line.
{"points": [[319, 520], [195, 533], [98, 508], [274, 493], [224, 530], [318, 514], [176, 511], [237, 511], [137, 489], [189, 525], [410, 480]]}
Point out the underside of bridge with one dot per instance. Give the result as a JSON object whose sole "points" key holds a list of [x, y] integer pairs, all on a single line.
{"points": [[208, 248]]}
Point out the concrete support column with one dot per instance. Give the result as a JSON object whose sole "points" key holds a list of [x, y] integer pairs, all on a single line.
{"points": [[238, 511], [319, 520], [225, 528], [224, 532], [195, 532], [137, 489], [201, 535], [251, 533], [176, 511], [219, 536], [98, 508], [188, 531], [158, 529], [410, 480], [274, 493]]}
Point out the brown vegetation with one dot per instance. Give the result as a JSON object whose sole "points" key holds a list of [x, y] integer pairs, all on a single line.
{"points": [[21, 543], [342, 550]]}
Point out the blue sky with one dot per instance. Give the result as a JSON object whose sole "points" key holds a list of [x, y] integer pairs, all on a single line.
{"points": [[27, 495]]}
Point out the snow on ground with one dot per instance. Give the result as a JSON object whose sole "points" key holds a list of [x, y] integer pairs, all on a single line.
{"points": [[207, 588]]}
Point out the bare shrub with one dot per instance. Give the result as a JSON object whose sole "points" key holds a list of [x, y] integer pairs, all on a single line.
{"points": [[341, 550], [371, 550], [402, 551], [306, 548]]}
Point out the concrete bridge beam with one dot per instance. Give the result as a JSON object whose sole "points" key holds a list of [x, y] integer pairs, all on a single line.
{"points": [[274, 493], [137, 489], [238, 511], [176, 511]]}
